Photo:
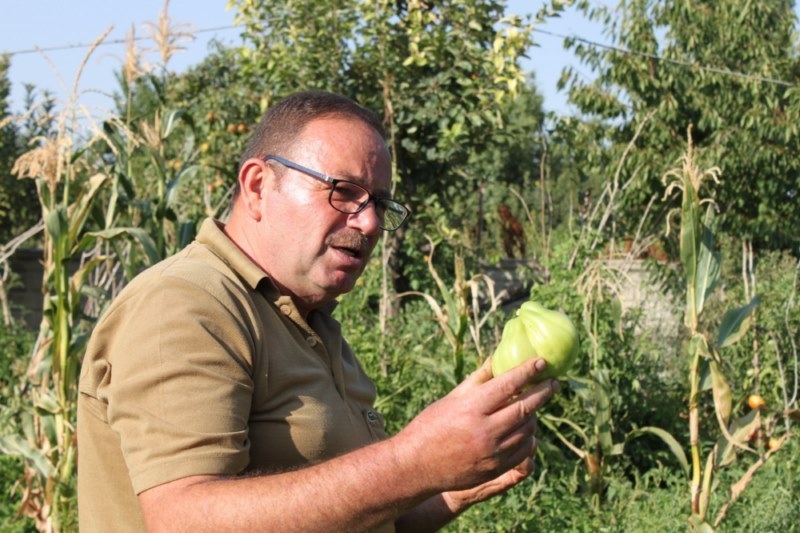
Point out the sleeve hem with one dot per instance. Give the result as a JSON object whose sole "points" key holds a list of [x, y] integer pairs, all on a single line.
{"points": [[167, 471]]}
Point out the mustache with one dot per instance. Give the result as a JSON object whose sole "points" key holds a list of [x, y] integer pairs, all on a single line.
{"points": [[352, 240]]}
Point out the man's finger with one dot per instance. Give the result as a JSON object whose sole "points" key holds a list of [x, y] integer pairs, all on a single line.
{"points": [[499, 390], [482, 375], [523, 407]]}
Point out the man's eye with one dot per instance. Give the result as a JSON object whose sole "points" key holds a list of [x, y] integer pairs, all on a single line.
{"points": [[347, 194]]}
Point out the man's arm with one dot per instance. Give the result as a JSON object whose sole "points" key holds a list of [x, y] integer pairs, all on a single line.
{"points": [[479, 432]]}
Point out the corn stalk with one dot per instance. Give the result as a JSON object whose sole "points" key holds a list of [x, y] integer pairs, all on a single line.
{"points": [[459, 314], [701, 264]]}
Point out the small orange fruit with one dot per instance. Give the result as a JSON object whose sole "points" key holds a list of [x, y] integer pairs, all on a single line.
{"points": [[772, 443], [754, 401]]}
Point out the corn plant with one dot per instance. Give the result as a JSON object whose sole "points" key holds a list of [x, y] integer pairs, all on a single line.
{"points": [[600, 286], [701, 264], [459, 316], [44, 434], [88, 207]]}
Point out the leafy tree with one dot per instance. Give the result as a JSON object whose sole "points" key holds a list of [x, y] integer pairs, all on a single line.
{"points": [[18, 201], [727, 69], [442, 75]]}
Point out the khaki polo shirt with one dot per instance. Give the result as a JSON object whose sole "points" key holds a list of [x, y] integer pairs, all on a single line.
{"points": [[201, 367]]}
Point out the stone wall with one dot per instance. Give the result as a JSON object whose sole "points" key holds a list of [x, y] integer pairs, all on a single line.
{"points": [[661, 314], [25, 293]]}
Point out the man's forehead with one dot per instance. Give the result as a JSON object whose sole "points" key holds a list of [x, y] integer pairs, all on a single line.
{"points": [[350, 149]]}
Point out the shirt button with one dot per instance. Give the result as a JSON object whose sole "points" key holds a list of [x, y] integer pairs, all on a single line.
{"points": [[286, 309], [311, 341]]}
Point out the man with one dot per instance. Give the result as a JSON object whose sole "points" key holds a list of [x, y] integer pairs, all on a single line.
{"points": [[218, 394]]}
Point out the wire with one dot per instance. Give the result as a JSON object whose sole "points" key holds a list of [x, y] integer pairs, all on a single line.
{"points": [[104, 43], [678, 62], [616, 49]]}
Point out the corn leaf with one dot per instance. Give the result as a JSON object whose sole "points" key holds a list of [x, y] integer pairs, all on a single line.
{"points": [[735, 323], [666, 438], [16, 445], [56, 223], [441, 317], [707, 263], [705, 377], [79, 210], [740, 431], [705, 491], [186, 233], [690, 237], [149, 246], [550, 422], [602, 411], [170, 122], [721, 392], [47, 403]]}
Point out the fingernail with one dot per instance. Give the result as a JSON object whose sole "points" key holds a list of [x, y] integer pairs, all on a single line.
{"points": [[554, 385], [540, 364]]}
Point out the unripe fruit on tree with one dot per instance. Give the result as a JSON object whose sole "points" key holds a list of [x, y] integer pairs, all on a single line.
{"points": [[754, 401], [537, 332]]}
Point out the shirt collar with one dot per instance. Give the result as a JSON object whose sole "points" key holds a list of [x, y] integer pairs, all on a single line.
{"points": [[211, 234]]}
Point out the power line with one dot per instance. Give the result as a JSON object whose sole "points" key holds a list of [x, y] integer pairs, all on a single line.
{"points": [[678, 62], [617, 49], [103, 43]]}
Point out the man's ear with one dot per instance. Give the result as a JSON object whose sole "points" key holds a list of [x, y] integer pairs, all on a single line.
{"points": [[253, 177]]}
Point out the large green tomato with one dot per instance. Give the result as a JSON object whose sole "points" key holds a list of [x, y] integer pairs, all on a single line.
{"points": [[537, 332]]}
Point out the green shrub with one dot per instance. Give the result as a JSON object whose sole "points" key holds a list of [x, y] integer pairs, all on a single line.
{"points": [[17, 343]]}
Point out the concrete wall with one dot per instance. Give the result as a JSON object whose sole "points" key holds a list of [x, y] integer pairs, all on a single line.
{"points": [[660, 314], [25, 294]]}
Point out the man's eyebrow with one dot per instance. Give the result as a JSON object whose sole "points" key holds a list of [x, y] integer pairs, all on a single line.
{"points": [[383, 194]]}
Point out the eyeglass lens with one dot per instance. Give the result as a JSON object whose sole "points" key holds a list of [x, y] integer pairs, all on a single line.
{"points": [[351, 198]]}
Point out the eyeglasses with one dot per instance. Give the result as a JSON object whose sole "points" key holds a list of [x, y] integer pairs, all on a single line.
{"points": [[351, 198]]}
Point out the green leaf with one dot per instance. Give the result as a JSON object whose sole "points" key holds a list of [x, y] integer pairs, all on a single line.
{"points": [[186, 233], [82, 205], [139, 234], [705, 376], [602, 411], [56, 223], [707, 263], [735, 323], [740, 430], [689, 243], [170, 122], [721, 392], [707, 487], [666, 438], [16, 445]]}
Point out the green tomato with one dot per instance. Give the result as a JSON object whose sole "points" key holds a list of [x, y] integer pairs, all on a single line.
{"points": [[537, 332]]}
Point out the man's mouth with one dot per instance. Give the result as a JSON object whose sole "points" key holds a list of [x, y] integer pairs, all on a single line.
{"points": [[349, 251], [352, 244]]}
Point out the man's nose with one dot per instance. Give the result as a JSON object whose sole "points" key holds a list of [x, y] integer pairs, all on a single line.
{"points": [[366, 220]]}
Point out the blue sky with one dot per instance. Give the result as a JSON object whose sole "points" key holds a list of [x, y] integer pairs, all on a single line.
{"points": [[46, 23]]}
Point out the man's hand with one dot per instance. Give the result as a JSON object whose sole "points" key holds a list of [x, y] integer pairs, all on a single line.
{"points": [[479, 438], [458, 501]]}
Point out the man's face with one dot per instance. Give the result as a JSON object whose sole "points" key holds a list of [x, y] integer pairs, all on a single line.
{"points": [[310, 250]]}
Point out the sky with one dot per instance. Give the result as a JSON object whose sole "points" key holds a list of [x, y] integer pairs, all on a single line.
{"points": [[28, 24]]}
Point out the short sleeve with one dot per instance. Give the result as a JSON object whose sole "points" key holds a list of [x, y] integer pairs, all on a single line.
{"points": [[180, 386]]}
